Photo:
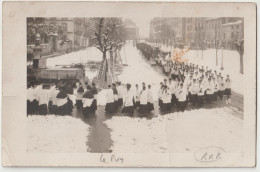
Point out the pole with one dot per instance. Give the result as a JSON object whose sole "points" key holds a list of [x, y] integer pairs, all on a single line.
{"points": [[222, 68]]}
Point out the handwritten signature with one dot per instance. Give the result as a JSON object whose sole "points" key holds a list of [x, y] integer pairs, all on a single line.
{"points": [[111, 159], [209, 154]]}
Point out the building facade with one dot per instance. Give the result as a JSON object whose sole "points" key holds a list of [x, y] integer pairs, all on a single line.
{"points": [[198, 33], [132, 31], [75, 30], [168, 30]]}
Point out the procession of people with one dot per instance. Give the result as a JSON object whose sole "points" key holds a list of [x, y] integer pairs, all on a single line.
{"points": [[185, 83]]}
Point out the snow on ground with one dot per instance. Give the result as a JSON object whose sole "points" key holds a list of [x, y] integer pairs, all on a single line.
{"points": [[138, 70], [56, 134], [231, 63], [177, 132], [82, 56]]}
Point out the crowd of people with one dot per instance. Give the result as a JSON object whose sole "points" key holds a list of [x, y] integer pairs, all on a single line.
{"points": [[187, 82], [60, 98]]}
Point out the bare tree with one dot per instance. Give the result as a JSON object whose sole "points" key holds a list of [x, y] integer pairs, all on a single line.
{"points": [[108, 35]]}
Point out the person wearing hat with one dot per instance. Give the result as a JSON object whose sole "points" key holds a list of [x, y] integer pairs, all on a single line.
{"points": [[110, 100], [128, 106], [87, 100], [79, 95], [210, 90], [63, 104]]}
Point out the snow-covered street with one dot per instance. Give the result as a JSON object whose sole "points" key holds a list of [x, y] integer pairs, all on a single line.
{"points": [[177, 132], [174, 132]]}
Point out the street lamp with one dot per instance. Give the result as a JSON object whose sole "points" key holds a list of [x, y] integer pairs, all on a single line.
{"points": [[222, 67]]}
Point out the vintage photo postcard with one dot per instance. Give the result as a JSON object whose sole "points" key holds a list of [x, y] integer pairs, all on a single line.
{"points": [[129, 84]]}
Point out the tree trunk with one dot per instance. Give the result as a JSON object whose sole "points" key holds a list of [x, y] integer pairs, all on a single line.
{"points": [[216, 57], [241, 63]]}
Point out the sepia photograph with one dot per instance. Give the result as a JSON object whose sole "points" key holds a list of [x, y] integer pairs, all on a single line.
{"points": [[91, 76], [137, 85]]}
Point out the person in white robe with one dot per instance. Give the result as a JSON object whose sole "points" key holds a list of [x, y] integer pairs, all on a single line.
{"points": [[222, 88], [160, 95], [193, 89], [128, 106], [64, 106], [210, 90], [182, 97], [53, 94], [228, 87], [120, 93], [32, 103], [150, 105], [43, 98], [137, 96], [166, 99], [143, 101], [216, 88], [110, 100], [79, 95], [201, 93]]}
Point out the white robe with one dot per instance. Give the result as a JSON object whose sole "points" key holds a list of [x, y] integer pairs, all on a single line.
{"points": [[143, 97], [210, 87], [149, 96], [182, 94], [128, 98], [201, 90], [194, 88], [120, 91], [43, 97], [110, 96]]}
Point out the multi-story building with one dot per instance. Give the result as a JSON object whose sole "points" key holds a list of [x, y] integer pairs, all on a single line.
{"points": [[132, 31], [232, 32], [75, 30], [214, 30], [195, 32], [168, 30]]}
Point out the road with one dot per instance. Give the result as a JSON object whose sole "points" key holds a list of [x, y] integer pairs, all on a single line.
{"points": [[137, 71]]}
